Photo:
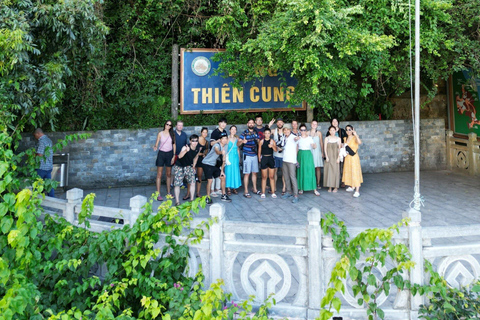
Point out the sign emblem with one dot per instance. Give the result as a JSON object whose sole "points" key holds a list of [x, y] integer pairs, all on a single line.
{"points": [[201, 66]]}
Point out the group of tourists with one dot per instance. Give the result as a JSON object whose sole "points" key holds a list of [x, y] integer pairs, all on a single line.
{"points": [[300, 153]]}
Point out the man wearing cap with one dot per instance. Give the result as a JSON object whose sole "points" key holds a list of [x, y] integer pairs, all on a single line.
{"points": [[279, 138], [289, 167], [249, 140], [212, 171]]}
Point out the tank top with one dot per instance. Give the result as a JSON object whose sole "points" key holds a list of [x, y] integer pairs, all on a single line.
{"points": [[166, 144], [266, 151]]}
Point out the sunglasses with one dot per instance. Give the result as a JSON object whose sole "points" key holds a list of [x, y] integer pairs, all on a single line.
{"points": [[349, 130], [303, 130], [193, 140], [169, 124]]}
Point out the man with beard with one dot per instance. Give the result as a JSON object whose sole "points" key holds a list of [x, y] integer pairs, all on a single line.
{"points": [[249, 140]]}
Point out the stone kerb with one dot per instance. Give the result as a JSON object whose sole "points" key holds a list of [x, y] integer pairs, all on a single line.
{"points": [[126, 157]]}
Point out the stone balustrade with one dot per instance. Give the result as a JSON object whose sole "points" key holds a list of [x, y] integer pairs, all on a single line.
{"points": [[463, 154], [295, 261]]}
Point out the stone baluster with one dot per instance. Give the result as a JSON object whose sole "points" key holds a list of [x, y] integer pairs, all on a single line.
{"points": [[472, 157], [74, 198], [136, 205], [415, 244], [217, 212], [315, 263]]}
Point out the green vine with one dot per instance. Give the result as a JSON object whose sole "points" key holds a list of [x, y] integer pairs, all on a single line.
{"points": [[373, 246]]}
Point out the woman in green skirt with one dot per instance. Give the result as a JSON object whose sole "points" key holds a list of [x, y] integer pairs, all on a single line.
{"points": [[306, 166]]}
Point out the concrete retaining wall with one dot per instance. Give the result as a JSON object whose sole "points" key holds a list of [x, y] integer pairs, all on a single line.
{"points": [[126, 157]]}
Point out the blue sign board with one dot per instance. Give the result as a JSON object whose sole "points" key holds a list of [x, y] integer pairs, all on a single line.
{"points": [[202, 91]]}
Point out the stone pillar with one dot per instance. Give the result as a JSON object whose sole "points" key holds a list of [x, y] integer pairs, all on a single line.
{"points": [[415, 245], [472, 158], [449, 150], [136, 204], [175, 81], [74, 198], [315, 263], [217, 212]]}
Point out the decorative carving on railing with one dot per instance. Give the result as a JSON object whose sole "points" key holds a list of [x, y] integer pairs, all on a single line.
{"points": [[459, 271], [294, 262], [463, 154], [264, 287]]}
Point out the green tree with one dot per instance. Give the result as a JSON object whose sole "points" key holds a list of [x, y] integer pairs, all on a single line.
{"points": [[349, 56], [40, 43]]}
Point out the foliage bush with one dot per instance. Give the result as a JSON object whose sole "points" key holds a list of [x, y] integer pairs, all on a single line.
{"points": [[47, 264]]}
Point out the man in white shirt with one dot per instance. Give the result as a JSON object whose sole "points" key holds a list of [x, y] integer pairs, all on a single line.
{"points": [[289, 167]]}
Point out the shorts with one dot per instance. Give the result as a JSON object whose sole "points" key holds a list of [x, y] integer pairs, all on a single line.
{"points": [[267, 162], [180, 173], [278, 162], [211, 171], [250, 164], [199, 163], [164, 158]]}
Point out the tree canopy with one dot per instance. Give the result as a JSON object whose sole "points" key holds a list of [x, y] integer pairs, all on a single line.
{"points": [[102, 65], [349, 56]]}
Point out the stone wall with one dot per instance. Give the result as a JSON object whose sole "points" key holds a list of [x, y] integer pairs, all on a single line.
{"points": [[126, 157]]}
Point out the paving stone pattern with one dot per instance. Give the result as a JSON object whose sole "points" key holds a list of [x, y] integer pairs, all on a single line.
{"points": [[126, 158], [450, 199]]}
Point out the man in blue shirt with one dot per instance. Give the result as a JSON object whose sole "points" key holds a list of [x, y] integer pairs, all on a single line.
{"points": [[249, 139], [45, 151], [180, 138]]}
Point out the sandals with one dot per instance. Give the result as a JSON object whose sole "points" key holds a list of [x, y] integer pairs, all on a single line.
{"points": [[177, 204], [258, 192], [234, 191], [300, 191], [316, 193], [274, 196], [159, 198], [186, 197], [262, 196], [283, 192], [229, 192], [247, 195]]}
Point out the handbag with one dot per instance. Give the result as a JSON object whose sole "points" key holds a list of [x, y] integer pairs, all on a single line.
{"points": [[349, 150]]}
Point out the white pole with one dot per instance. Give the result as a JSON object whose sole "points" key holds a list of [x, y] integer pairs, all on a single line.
{"points": [[416, 134]]}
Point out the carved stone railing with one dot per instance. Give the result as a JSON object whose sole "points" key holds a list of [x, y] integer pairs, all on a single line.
{"points": [[463, 154], [294, 262]]}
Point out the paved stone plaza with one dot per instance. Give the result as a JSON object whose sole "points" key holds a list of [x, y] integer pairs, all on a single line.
{"points": [[450, 199]]}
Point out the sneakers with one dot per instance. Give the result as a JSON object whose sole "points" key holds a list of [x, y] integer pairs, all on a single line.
{"points": [[295, 200], [286, 196], [159, 198], [225, 198], [349, 189], [214, 194], [356, 194], [208, 200]]}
